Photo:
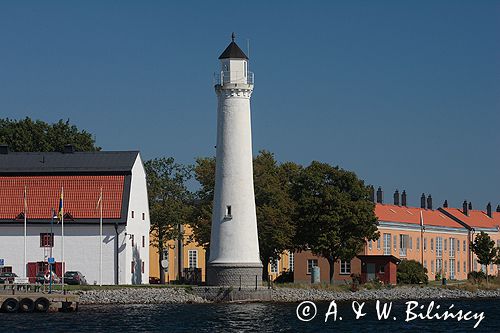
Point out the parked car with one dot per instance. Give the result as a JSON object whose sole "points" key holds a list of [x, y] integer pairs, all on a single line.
{"points": [[74, 277], [7, 277]]}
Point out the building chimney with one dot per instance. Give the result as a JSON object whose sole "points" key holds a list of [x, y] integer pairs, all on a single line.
{"points": [[488, 209], [429, 202], [470, 205], [372, 193], [380, 195], [465, 209], [422, 201], [445, 204], [498, 209], [396, 198], [69, 149], [4, 149], [403, 198]]}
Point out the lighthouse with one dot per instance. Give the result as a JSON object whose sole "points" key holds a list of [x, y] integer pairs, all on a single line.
{"points": [[234, 244]]}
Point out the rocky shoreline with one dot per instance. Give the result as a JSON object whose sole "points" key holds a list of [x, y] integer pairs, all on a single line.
{"points": [[183, 295]]}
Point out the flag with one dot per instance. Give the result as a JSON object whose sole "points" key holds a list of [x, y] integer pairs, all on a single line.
{"points": [[61, 206], [99, 200]]}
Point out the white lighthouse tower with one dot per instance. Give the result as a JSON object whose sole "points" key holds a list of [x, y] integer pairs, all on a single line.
{"points": [[234, 244]]}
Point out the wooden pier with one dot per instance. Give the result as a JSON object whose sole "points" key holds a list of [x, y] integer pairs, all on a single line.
{"points": [[27, 300]]}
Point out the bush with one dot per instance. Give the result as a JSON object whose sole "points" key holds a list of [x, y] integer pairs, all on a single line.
{"points": [[284, 277], [411, 272], [479, 276]]}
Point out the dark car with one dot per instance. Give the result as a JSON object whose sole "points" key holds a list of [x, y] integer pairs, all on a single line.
{"points": [[74, 277], [7, 277]]}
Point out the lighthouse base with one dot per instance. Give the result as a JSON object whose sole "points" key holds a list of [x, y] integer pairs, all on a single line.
{"points": [[234, 275]]}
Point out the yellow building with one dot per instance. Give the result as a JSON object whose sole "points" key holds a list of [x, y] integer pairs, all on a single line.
{"points": [[189, 267]]}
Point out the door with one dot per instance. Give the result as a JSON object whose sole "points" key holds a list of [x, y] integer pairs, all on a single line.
{"points": [[452, 269], [370, 272]]}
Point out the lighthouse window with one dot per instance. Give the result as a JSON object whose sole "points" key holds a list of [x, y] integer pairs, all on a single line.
{"points": [[228, 211]]}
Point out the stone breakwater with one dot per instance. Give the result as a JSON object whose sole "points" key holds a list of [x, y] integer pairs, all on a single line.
{"points": [[402, 293], [138, 296], [181, 295]]}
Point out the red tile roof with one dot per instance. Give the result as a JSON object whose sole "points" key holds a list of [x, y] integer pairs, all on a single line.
{"points": [[81, 194], [393, 213], [476, 218]]}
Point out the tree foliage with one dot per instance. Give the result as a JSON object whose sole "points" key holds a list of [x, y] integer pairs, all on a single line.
{"points": [[411, 272], [484, 248], [334, 213], [33, 136], [274, 207], [169, 201]]}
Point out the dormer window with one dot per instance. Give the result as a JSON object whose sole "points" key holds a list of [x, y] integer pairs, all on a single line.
{"points": [[228, 213]]}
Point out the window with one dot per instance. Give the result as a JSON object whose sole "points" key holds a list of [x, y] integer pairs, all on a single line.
{"points": [[378, 243], [142, 266], [432, 244], [275, 265], [381, 269], [370, 245], [464, 247], [439, 247], [458, 245], [291, 256], [403, 243], [132, 214], [132, 239], [452, 247], [310, 264], [345, 267], [446, 266], [395, 242], [425, 264], [432, 266], [418, 243], [439, 265], [387, 244], [458, 266], [228, 211], [425, 244], [193, 258], [143, 241], [143, 216], [445, 245], [483, 268], [47, 240], [465, 266]]}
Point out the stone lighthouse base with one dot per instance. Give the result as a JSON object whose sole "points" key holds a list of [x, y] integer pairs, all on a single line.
{"points": [[234, 275]]}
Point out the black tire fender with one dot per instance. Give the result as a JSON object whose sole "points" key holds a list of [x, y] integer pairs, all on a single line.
{"points": [[10, 305], [26, 305], [42, 304]]}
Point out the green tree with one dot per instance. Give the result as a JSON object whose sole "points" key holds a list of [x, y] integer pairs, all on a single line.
{"points": [[334, 213], [411, 272], [170, 202], [484, 248], [33, 136], [274, 207], [204, 173]]}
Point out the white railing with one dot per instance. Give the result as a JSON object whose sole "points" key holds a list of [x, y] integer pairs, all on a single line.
{"points": [[224, 77]]}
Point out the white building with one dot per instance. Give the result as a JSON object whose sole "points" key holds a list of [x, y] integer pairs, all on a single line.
{"points": [[81, 176], [234, 244]]}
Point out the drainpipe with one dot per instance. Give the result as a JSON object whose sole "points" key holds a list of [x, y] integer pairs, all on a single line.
{"points": [[116, 254], [471, 238]]}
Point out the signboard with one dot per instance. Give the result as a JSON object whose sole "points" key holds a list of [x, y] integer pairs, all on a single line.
{"points": [[164, 263], [51, 260], [21, 280], [2, 262]]}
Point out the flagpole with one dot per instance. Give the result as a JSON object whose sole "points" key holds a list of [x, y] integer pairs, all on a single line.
{"points": [[100, 244], [25, 219], [62, 235]]}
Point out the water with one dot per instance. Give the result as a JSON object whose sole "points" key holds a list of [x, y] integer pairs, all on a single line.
{"points": [[255, 317]]}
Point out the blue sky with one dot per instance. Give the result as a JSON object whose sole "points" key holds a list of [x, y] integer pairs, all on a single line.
{"points": [[405, 93]]}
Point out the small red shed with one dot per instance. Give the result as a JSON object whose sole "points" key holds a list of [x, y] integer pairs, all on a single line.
{"points": [[383, 267]]}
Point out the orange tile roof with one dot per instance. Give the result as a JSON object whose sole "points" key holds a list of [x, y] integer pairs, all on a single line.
{"points": [[393, 213], [81, 194], [476, 218]]}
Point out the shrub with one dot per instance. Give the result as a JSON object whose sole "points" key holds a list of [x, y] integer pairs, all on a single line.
{"points": [[476, 277], [411, 272], [284, 277]]}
